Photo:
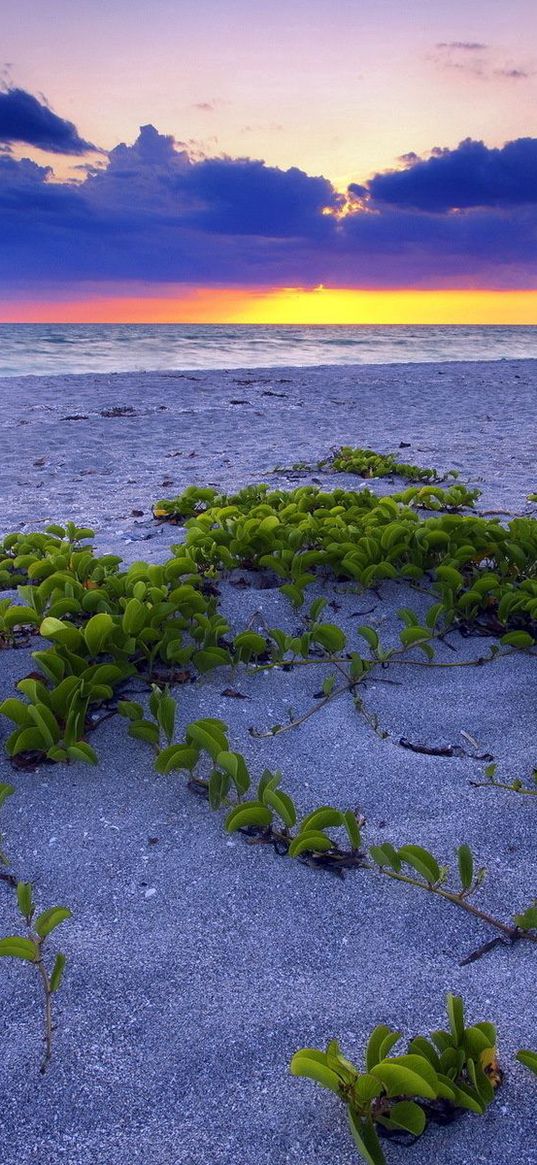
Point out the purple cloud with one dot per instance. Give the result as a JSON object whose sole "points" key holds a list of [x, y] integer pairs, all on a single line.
{"points": [[25, 119], [463, 217], [471, 175]]}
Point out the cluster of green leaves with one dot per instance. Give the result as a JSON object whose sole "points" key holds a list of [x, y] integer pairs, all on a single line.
{"points": [[478, 565], [449, 1069], [104, 625], [435, 497], [368, 463]]}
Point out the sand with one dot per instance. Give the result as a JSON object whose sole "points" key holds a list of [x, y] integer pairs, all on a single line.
{"points": [[181, 1008]]}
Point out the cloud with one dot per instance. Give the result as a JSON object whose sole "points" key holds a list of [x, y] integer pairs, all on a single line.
{"points": [[470, 46], [514, 74], [25, 119], [158, 214], [477, 59], [470, 175]]}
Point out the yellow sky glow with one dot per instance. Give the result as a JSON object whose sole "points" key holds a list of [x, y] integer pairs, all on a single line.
{"points": [[288, 306]]}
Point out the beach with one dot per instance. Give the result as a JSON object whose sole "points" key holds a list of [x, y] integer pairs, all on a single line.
{"points": [[198, 964]]}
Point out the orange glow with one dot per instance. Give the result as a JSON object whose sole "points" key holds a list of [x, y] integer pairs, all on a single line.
{"points": [[286, 306]]}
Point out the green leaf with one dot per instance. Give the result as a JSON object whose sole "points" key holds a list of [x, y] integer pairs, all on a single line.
{"points": [[448, 574], [325, 817], [247, 816], [218, 788], [353, 829], [205, 735], [389, 1041], [407, 1076], [528, 1058], [97, 631], [177, 756], [422, 861], [310, 841], [249, 643], [329, 636], [18, 948], [235, 765], [386, 855], [455, 1010], [311, 1063], [366, 1087], [465, 861], [19, 616], [166, 715], [374, 1044], [61, 632], [519, 639], [527, 920], [57, 754], [50, 919], [466, 1097], [81, 751], [369, 635], [5, 791], [24, 898], [57, 972], [17, 711], [267, 780], [210, 658], [408, 1115], [28, 740], [134, 617], [144, 730], [421, 1047], [365, 1139], [130, 709], [412, 636], [283, 805], [46, 722]]}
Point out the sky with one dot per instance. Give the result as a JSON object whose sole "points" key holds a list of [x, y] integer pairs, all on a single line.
{"points": [[276, 161]]}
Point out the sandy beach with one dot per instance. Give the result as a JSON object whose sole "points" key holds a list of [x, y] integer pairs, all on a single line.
{"points": [[198, 964]]}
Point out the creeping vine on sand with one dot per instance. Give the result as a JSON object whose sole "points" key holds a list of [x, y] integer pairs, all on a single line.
{"points": [[113, 631]]}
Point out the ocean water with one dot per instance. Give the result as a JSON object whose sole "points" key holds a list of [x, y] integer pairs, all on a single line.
{"points": [[56, 349]]}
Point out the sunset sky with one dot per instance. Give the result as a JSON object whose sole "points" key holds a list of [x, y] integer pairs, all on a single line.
{"points": [[297, 162]]}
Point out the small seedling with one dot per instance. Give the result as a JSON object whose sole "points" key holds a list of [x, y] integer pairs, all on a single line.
{"points": [[31, 949]]}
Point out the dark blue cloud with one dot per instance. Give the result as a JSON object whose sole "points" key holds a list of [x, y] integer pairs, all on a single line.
{"points": [[245, 197], [25, 119], [471, 175], [155, 215]]}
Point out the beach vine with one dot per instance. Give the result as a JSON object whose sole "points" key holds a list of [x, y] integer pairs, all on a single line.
{"points": [[114, 633]]}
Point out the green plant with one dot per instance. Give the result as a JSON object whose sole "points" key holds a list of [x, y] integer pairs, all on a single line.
{"points": [[447, 1071], [31, 949], [5, 792], [367, 463], [528, 1058], [515, 786]]}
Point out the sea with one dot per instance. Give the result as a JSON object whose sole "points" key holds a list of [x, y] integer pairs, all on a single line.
{"points": [[59, 349]]}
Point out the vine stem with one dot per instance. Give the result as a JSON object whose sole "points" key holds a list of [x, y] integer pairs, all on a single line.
{"points": [[277, 731], [512, 932], [501, 785], [42, 971]]}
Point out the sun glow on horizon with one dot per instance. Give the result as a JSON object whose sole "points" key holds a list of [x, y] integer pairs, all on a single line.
{"points": [[293, 306]]}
